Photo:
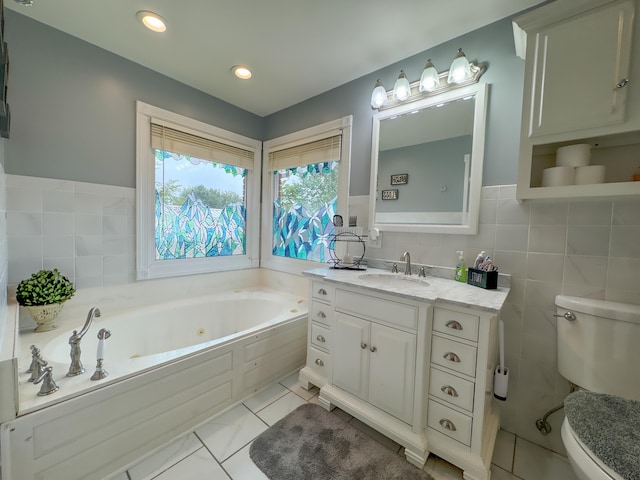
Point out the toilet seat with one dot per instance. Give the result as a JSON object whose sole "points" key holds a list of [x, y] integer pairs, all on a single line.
{"points": [[585, 464]]}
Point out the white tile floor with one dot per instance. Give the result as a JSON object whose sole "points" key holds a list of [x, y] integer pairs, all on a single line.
{"points": [[219, 450]]}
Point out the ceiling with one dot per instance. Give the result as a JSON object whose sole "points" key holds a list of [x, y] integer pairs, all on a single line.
{"points": [[296, 49]]}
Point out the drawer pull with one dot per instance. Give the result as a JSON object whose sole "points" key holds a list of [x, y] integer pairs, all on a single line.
{"points": [[321, 314], [452, 357], [322, 291], [454, 325], [449, 390], [321, 338], [319, 362], [374, 349], [363, 346], [448, 424]]}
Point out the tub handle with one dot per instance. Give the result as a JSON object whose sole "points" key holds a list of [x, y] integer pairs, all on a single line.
{"points": [[322, 291], [449, 390], [448, 424], [452, 357], [321, 314], [454, 325], [321, 338], [319, 362], [363, 346]]}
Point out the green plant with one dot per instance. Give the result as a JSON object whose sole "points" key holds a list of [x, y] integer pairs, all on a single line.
{"points": [[44, 288]]}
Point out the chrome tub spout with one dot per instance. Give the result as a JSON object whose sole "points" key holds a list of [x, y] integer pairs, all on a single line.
{"points": [[76, 367]]}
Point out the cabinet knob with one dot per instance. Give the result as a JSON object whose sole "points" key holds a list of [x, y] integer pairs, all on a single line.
{"points": [[374, 349], [452, 357], [321, 314], [449, 390], [322, 291], [454, 325], [363, 346], [321, 338], [319, 362], [448, 424], [622, 83]]}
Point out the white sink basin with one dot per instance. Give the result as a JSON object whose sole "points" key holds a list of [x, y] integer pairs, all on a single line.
{"points": [[392, 279]]}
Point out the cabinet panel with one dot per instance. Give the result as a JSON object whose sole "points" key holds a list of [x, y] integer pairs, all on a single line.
{"points": [[392, 371], [351, 354], [457, 324], [577, 64], [393, 313], [453, 355], [321, 312], [319, 362], [451, 423], [320, 336], [451, 389], [323, 291]]}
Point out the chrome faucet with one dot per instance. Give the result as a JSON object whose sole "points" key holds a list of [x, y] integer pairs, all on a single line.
{"points": [[76, 367], [407, 257]]}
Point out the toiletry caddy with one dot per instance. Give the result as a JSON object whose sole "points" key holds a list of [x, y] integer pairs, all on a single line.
{"points": [[418, 367]]}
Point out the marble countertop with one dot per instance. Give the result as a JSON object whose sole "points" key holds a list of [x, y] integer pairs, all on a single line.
{"points": [[432, 289]]}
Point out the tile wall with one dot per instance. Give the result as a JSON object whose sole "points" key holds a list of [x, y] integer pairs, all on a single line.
{"points": [[85, 230], [578, 248], [583, 248]]}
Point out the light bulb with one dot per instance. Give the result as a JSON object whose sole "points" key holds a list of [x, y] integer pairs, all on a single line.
{"points": [[402, 88], [379, 95], [460, 69], [429, 80], [152, 21]]}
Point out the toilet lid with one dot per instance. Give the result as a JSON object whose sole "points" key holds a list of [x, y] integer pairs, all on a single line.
{"points": [[609, 426]]}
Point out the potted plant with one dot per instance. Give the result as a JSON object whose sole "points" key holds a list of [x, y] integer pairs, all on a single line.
{"points": [[43, 295]]}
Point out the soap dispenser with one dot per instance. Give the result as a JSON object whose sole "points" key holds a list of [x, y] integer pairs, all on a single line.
{"points": [[461, 269]]}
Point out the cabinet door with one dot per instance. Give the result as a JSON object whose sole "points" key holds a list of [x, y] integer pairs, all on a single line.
{"points": [[577, 65], [351, 354], [392, 374]]}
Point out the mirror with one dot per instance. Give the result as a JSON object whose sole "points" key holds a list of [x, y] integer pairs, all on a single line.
{"points": [[426, 166]]}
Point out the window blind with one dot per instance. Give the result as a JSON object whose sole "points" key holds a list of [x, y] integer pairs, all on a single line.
{"points": [[323, 150], [177, 141]]}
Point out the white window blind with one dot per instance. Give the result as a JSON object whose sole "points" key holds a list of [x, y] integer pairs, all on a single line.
{"points": [[323, 150], [170, 139]]}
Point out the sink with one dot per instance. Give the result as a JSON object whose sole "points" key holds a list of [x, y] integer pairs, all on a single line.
{"points": [[393, 279]]}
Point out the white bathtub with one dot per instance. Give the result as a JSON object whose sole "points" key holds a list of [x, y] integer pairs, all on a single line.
{"points": [[171, 366]]}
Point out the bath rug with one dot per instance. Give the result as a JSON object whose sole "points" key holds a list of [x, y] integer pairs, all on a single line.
{"points": [[313, 444]]}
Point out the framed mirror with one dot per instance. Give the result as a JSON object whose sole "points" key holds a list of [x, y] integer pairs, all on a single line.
{"points": [[426, 165]]}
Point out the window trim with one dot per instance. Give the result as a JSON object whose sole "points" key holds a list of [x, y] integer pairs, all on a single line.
{"points": [[342, 125], [147, 267]]}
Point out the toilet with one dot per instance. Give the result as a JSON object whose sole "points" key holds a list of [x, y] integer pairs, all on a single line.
{"points": [[599, 351]]}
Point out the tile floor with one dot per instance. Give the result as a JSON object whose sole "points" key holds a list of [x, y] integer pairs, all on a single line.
{"points": [[219, 450]]}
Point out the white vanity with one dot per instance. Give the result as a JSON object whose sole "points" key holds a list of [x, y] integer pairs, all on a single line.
{"points": [[411, 357]]}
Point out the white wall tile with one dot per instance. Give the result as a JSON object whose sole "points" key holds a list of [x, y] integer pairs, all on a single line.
{"points": [[57, 223], [58, 246], [626, 212], [512, 237], [57, 201], [590, 213], [24, 223], [588, 240], [87, 203], [549, 213], [510, 212], [625, 241], [23, 200], [548, 238], [88, 224], [587, 271]]}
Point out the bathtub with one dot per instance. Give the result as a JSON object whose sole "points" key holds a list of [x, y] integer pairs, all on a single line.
{"points": [[172, 365]]}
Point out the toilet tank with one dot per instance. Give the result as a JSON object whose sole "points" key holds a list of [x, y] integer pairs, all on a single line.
{"points": [[600, 350]]}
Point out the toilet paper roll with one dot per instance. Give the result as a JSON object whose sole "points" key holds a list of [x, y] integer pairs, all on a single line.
{"points": [[573, 155], [589, 174], [557, 176]]}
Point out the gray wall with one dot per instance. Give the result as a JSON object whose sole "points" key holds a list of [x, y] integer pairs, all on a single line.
{"points": [[73, 106], [492, 44]]}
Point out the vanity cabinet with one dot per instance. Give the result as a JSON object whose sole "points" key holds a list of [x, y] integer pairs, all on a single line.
{"points": [[580, 87], [420, 372]]}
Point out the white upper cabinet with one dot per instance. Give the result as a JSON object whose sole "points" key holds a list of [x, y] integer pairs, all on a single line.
{"points": [[577, 65]]}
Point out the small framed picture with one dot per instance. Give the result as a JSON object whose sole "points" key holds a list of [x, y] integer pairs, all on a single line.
{"points": [[400, 179], [390, 194]]}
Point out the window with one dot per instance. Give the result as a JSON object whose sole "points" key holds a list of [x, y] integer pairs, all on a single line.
{"points": [[197, 189], [305, 183]]}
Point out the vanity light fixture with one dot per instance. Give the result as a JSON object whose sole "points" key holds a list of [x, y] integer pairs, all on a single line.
{"points": [[379, 95], [402, 88], [241, 71], [429, 80], [152, 21], [460, 69]]}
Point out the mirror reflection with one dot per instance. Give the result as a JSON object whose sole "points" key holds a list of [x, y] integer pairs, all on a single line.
{"points": [[428, 164]]}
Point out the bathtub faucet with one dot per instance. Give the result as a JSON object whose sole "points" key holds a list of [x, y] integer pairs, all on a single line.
{"points": [[76, 367]]}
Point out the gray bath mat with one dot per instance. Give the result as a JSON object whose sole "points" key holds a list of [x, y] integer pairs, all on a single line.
{"points": [[313, 444]]}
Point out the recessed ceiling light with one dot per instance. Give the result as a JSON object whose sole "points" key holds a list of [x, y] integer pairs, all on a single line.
{"points": [[152, 21], [241, 71]]}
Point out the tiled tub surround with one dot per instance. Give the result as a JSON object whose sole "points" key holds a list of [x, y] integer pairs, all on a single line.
{"points": [[132, 411]]}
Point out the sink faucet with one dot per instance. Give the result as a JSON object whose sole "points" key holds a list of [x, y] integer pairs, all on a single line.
{"points": [[76, 367], [407, 257]]}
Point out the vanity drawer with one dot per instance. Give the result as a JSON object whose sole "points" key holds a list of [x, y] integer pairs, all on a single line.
{"points": [[321, 312], [320, 336], [458, 324], [454, 390], [319, 362], [386, 311], [453, 355], [322, 291], [449, 422]]}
